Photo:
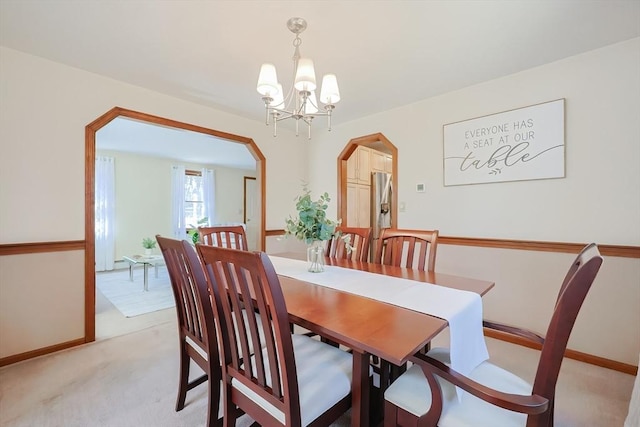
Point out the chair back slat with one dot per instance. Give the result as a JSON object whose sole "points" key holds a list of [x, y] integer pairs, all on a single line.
{"points": [[359, 239], [245, 284], [414, 249], [224, 236]]}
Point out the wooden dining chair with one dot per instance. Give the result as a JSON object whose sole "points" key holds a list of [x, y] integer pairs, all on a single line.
{"points": [[426, 394], [359, 239], [407, 248], [415, 249], [226, 236], [196, 330], [295, 380]]}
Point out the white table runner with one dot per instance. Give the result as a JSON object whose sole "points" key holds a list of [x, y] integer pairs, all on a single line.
{"points": [[461, 309]]}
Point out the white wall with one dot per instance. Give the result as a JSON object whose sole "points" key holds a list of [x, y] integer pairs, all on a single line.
{"points": [[599, 200], [44, 108], [143, 197], [230, 186]]}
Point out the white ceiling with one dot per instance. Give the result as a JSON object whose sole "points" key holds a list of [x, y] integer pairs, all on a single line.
{"points": [[132, 136], [386, 54]]}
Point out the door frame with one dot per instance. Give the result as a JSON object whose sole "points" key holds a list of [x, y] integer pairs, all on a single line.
{"points": [[244, 200], [378, 142], [89, 191]]}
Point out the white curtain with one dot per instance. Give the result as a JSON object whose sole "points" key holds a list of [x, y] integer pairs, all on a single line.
{"points": [[177, 202], [104, 213], [209, 194]]}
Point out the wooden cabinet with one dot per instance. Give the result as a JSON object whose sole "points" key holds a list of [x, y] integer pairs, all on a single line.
{"points": [[377, 161], [380, 162], [388, 163], [358, 204], [359, 166]]}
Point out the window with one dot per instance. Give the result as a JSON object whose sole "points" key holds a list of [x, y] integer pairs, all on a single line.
{"points": [[194, 208], [192, 199]]}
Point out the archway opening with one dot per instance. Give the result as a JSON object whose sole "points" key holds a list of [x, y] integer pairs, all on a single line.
{"points": [[348, 189], [90, 153]]}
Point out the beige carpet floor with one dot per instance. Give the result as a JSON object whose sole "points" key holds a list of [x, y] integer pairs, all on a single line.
{"points": [[131, 380]]}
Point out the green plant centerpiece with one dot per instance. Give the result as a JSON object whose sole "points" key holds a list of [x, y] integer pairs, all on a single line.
{"points": [[148, 243], [312, 226]]}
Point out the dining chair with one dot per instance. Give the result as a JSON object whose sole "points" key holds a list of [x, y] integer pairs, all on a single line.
{"points": [[407, 248], [197, 334], [227, 236], [415, 249], [426, 395], [359, 239], [295, 380]]}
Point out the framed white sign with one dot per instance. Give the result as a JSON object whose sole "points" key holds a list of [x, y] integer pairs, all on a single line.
{"points": [[517, 145]]}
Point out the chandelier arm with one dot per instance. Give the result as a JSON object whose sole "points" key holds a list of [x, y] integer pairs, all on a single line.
{"points": [[284, 116], [275, 125]]}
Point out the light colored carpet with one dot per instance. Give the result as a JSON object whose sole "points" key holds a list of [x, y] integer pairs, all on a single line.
{"points": [[129, 297], [131, 380]]}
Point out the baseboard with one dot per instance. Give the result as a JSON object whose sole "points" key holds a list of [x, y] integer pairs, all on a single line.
{"points": [[570, 354], [40, 352]]}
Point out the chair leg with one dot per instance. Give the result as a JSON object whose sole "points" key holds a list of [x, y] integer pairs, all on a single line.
{"points": [[385, 372], [183, 380], [213, 409], [396, 371], [230, 410]]}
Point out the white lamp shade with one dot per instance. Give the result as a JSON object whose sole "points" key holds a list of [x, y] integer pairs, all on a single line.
{"points": [[278, 99], [311, 106], [267, 80], [305, 75], [330, 94]]}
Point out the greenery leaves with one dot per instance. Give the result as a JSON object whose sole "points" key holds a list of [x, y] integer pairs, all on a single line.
{"points": [[148, 243], [312, 223]]}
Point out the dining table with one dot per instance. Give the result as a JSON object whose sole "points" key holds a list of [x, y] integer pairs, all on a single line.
{"points": [[365, 325]]}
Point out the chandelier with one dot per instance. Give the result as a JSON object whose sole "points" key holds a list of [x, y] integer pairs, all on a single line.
{"points": [[300, 103]]}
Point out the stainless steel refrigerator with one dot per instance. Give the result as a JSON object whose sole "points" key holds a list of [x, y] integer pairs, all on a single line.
{"points": [[380, 206]]}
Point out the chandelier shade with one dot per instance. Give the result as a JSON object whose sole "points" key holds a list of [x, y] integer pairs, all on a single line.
{"points": [[268, 80], [311, 106], [300, 102], [330, 94], [305, 75]]}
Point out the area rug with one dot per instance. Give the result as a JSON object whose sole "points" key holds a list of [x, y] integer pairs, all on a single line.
{"points": [[129, 297]]}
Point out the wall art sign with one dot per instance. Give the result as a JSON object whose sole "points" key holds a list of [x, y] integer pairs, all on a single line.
{"points": [[522, 144]]}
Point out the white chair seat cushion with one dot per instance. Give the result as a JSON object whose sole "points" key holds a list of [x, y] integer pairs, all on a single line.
{"points": [[324, 378], [411, 392]]}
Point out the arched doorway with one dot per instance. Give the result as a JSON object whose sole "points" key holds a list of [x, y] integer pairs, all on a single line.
{"points": [[90, 152], [379, 144]]}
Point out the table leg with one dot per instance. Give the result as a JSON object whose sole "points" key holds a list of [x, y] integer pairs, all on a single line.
{"points": [[130, 272], [156, 267], [146, 276], [360, 390]]}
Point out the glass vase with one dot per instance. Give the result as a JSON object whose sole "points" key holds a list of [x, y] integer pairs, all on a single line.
{"points": [[315, 256]]}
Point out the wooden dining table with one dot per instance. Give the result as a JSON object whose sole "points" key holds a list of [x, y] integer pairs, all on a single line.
{"points": [[368, 326]]}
